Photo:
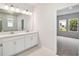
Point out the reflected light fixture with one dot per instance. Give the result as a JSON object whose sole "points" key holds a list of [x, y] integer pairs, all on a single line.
{"points": [[28, 12], [6, 7], [23, 12], [12, 8], [17, 10]]}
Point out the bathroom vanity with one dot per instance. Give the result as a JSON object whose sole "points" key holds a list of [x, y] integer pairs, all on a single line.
{"points": [[15, 35], [13, 43]]}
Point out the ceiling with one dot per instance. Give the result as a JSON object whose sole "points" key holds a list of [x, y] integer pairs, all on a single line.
{"points": [[28, 6]]}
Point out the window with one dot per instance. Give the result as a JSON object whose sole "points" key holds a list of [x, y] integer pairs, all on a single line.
{"points": [[62, 26], [73, 24], [10, 22]]}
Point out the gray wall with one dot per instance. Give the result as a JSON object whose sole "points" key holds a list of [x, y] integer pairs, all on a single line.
{"points": [[68, 10], [68, 33]]}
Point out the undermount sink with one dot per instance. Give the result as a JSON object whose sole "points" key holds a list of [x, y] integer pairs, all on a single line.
{"points": [[12, 32]]}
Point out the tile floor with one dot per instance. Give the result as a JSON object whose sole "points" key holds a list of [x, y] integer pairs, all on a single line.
{"points": [[37, 52]]}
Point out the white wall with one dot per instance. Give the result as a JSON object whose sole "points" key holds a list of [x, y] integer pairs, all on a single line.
{"points": [[34, 20], [46, 16]]}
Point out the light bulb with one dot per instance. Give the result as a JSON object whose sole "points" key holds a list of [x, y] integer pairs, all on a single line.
{"points": [[28, 13], [17, 10], [12, 9], [23, 12], [6, 7]]}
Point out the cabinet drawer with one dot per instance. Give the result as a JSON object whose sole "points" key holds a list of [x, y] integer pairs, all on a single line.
{"points": [[34, 39], [34, 34]]}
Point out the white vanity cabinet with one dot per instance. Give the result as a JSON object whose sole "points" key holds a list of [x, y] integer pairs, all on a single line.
{"points": [[34, 39], [13, 45], [19, 44], [31, 40], [9, 47], [28, 41]]}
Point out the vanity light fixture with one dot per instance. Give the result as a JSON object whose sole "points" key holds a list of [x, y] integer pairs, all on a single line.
{"points": [[28, 12], [12, 8], [23, 12], [17, 10], [6, 7]]}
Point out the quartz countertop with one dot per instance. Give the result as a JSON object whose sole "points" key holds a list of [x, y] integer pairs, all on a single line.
{"points": [[15, 33]]}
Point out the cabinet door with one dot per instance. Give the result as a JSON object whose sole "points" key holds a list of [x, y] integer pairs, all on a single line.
{"points": [[20, 44], [31, 40], [9, 47], [28, 41], [34, 39], [1, 49]]}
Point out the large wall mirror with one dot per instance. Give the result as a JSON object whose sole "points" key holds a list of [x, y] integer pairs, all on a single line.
{"points": [[8, 22], [14, 20]]}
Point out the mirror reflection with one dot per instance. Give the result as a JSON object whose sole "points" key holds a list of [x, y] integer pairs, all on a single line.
{"points": [[12, 21]]}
